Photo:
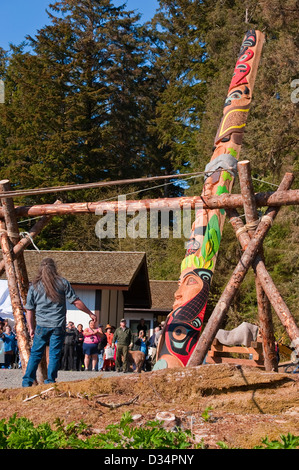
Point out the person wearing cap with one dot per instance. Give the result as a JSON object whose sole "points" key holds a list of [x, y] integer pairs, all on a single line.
{"points": [[123, 337]]}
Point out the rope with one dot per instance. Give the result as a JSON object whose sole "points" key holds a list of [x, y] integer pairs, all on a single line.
{"points": [[248, 227], [267, 219], [27, 235], [266, 182]]}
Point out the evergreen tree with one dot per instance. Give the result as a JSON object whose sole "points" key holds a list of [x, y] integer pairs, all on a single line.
{"points": [[81, 103], [179, 25]]}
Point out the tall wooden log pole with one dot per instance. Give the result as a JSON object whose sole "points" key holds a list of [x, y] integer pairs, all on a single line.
{"points": [[219, 312], [264, 307], [12, 228], [18, 312]]}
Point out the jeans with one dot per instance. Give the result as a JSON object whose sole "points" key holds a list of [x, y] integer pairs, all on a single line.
{"points": [[43, 336], [100, 360]]}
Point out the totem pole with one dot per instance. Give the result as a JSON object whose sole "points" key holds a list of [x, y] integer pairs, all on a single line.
{"points": [[183, 325]]}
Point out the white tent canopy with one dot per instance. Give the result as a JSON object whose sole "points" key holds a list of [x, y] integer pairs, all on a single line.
{"points": [[5, 303]]}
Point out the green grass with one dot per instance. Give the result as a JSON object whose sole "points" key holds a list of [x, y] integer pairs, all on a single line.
{"points": [[20, 433]]}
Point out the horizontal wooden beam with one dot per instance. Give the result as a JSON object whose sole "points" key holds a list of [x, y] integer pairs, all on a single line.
{"points": [[224, 201]]}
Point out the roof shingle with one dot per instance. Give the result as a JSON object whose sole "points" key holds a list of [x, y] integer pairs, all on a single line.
{"points": [[89, 267]]}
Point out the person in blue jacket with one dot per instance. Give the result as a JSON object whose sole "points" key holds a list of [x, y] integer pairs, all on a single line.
{"points": [[141, 344], [10, 346]]}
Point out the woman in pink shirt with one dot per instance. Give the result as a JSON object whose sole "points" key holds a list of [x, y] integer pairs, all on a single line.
{"points": [[90, 345]]}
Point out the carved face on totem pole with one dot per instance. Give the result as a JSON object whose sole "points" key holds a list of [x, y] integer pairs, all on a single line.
{"points": [[182, 331], [184, 323]]}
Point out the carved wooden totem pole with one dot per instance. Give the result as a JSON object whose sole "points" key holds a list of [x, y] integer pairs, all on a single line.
{"points": [[183, 324]]}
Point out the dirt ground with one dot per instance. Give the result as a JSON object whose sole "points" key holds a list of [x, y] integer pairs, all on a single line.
{"points": [[244, 404]]}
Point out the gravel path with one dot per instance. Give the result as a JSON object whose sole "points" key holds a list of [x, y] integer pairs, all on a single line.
{"points": [[12, 378]]}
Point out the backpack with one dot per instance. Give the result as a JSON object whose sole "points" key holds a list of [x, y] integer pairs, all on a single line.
{"points": [[102, 343]]}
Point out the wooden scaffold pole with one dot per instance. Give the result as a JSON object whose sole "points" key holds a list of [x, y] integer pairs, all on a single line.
{"points": [[264, 306], [221, 201], [12, 228], [18, 311], [26, 240], [16, 273], [13, 263]]}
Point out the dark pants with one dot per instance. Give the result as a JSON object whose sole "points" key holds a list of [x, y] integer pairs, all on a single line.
{"points": [[68, 357], [9, 359], [79, 357], [122, 352]]}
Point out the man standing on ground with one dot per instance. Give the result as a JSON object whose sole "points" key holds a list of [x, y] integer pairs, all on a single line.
{"points": [[46, 301], [123, 337]]}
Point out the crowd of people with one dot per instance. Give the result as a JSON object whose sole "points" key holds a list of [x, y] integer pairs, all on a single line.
{"points": [[93, 348], [106, 349]]}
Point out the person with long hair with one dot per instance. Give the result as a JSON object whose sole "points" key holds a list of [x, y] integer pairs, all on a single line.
{"points": [[46, 306]]}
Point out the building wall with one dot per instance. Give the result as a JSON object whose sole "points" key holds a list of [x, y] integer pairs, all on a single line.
{"points": [[107, 304], [112, 307], [77, 316]]}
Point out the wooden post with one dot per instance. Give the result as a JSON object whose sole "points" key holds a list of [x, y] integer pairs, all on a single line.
{"points": [[264, 306], [13, 234], [277, 302], [18, 312], [234, 283]]}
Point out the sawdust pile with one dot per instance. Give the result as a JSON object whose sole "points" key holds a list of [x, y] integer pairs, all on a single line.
{"points": [[245, 404]]}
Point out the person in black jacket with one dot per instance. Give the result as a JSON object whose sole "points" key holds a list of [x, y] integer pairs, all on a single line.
{"points": [[101, 346], [71, 337], [79, 348]]}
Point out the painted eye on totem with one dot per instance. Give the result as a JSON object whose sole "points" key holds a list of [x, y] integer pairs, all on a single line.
{"points": [[179, 333], [204, 274], [191, 281], [196, 323], [243, 57], [205, 277], [235, 96]]}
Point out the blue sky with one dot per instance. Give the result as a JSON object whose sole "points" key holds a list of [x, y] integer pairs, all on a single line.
{"points": [[21, 17]]}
